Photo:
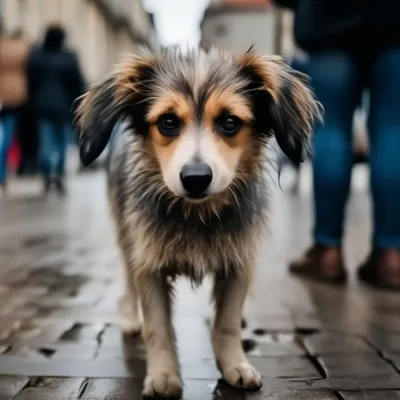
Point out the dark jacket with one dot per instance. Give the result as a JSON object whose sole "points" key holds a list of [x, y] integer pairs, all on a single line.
{"points": [[355, 25], [54, 77]]}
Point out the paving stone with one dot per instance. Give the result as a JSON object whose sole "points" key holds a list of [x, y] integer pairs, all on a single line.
{"points": [[121, 389], [52, 389], [62, 350], [307, 322], [351, 383], [332, 343], [371, 395], [357, 366], [11, 386], [85, 315], [292, 395], [80, 333], [275, 345], [203, 390], [113, 368], [39, 331], [272, 322], [389, 322], [125, 350], [394, 357], [289, 368], [24, 351], [383, 341], [110, 389]]}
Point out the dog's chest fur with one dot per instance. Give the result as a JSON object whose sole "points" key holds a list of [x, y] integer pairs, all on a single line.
{"points": [[158, 235]]}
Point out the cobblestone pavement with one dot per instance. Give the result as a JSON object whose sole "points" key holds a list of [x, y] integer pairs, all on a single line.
{"points": [[60, 279]]}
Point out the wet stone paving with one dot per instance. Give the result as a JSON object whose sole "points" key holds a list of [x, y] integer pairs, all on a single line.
{"points": [[61, 277]]}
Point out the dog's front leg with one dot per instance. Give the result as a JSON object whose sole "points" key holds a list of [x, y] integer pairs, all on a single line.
{"points": [[230, 292], [129, 307], [163, 375]]}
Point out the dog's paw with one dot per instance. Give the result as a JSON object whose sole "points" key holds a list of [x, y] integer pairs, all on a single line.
{"points": [[130, 327], [128, 318], [243, 376], [168, 386]]}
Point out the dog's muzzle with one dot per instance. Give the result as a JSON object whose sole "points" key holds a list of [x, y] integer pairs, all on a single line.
{"points": [[196, 179]]}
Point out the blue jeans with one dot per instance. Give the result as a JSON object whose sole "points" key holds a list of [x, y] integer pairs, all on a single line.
{"points": [[338, 81], [299, 65], [53, 145], [7, 128]]}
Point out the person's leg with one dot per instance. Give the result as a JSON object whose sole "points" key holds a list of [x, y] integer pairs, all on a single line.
{"points": [[63, 134], [63, 138], [383, 266], [299, 64], [337, 85], [7, 128], [24, 134], [48, 147]]}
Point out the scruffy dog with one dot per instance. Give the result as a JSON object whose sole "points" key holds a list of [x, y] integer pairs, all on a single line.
{"points": [[187, 185]]}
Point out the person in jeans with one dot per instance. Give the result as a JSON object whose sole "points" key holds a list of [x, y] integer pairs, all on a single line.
{"points": [[353, 46], [13, 94], [55, 81]]}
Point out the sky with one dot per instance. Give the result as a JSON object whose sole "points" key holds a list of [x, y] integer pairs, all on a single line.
{"points": [[177, 21]]}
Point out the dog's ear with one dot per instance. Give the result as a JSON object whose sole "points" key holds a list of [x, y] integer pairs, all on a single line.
{"points": [[283, 102], [99, 109]]}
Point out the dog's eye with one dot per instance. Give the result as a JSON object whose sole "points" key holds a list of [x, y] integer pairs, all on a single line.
{"points": [[229, 125], [169, 124]]}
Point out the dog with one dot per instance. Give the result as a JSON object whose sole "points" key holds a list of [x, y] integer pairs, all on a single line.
{"points": [[282, 162], [187, 186]]}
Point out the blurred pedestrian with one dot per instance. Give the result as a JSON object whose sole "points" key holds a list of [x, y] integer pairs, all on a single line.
{"points": [[13, 93], [55, 81], [353, 45], [26, 131], [27, 134]]}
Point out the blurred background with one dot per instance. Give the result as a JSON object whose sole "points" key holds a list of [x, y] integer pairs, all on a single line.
{"points": [[119, 25], [338, 212], [100, 31]]}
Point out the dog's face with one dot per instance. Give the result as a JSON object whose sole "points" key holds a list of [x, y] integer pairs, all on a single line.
{"points": [[200, 128], [205, 117]]}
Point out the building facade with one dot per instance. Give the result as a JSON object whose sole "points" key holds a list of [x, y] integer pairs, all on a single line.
{"points": [[237, 24], [288, 46], [98, 30]]}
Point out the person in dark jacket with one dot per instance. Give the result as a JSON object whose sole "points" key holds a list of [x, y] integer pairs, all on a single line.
{"points": [[55, 81], [353, 46]]}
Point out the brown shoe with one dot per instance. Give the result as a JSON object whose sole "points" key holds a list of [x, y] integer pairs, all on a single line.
{"points": [[382, 269], [321, 263]]}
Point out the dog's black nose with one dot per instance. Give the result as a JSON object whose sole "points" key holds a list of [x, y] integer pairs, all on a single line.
{"points": [[196, 178]]}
